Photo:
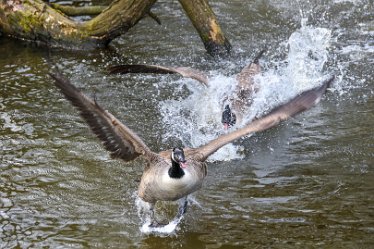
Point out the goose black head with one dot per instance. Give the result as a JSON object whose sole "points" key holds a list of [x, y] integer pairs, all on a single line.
{"points": [[228, 118], [177, 155]]}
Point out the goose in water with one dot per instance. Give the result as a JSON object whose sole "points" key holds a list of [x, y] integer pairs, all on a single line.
{"points": [[172, 174], [243, 94], [237, 102]]}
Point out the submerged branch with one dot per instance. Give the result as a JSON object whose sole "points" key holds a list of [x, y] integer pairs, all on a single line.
{"points": [[79, 11]]}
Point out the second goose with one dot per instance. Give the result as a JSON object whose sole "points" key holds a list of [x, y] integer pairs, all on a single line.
{"points": [[237, 102]]}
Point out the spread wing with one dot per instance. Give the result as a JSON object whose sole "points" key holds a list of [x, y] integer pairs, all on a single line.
{"points": [[183, 71], [116, 137], [300, 103]]}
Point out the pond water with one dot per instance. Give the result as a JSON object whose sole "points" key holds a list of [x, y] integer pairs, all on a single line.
{"points": [[309, 182]]}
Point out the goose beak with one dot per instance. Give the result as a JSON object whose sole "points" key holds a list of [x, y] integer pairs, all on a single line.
{"points": [[183, 164]]}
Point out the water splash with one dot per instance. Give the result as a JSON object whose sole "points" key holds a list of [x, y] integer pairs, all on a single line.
{"points": [[166, 229], [200, 112], [303, 69], [144, 213]]}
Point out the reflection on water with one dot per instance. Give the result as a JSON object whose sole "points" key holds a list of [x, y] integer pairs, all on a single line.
{"points": [[308, 182]]}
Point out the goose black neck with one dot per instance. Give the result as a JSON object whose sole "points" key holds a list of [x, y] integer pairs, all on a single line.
{"points": [[175, 170]]}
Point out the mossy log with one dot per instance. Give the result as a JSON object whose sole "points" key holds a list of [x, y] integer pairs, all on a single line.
{"points": [[36, 21], [90, 11]]}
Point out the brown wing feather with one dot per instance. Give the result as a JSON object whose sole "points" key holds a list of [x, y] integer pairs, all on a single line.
{"points": [[302, 102], [116, 137], [183, 71], [125, 69]]}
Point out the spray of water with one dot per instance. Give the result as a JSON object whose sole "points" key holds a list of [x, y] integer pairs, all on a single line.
{"points": [[166, 229], [200, 113], [144, 213], [301, 70]]}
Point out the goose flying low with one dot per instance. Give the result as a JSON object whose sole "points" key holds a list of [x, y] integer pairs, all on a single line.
{"points": [[172, 174]]}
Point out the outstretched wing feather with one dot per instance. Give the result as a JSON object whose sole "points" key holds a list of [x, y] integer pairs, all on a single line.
{"points": [[300, 103], [117, 138], [183, 71]]}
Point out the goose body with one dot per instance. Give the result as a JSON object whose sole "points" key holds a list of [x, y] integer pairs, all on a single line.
{"points": [[157, 184], [172, 174], [242, 97]]}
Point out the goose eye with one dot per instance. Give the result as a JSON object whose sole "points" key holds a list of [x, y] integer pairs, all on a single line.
{"points": [[178, 157]]}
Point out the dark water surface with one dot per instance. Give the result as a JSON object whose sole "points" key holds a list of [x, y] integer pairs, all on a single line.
{"points": [[309, 183]]}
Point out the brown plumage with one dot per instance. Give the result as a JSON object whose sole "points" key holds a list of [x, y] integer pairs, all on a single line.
{"points": [[243, 94], [183, 71], [173, 174]]}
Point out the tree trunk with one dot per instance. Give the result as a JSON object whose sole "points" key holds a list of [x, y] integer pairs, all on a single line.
{"points": [[36, 21], [205, 22]]}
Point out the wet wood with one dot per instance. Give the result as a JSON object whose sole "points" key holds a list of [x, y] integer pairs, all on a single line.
{"points": [[206, 24]]}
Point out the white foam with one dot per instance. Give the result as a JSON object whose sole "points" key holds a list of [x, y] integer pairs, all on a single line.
{"points": [[200, 113], [144, 213], [166, 229]]}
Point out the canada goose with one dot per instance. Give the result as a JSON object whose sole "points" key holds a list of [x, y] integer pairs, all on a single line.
{"points": [[238, 102], [172, 174]]}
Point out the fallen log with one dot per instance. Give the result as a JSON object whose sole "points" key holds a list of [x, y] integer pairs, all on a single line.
{"points": [[36, 21]]}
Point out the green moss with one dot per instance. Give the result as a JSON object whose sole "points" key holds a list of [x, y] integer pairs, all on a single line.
{"points": [[29, 20], [26, 22]]}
